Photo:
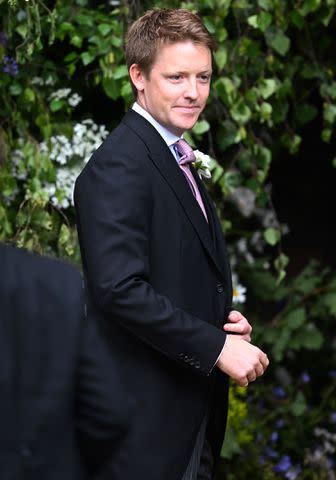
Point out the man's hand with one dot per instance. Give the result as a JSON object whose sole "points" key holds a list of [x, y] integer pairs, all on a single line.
{"points": [[238, 324], [241, 360]]}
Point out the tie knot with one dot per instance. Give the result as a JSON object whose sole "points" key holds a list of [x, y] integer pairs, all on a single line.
{"points": [[185, 151]]}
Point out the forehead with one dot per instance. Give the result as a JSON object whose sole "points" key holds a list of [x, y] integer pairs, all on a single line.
{"points": [[181, 56]]}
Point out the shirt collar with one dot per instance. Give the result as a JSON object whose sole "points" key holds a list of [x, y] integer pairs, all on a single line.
{"points": [[167, 136]]}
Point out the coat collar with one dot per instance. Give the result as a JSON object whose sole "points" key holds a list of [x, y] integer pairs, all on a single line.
{"points": [[162, 157]]}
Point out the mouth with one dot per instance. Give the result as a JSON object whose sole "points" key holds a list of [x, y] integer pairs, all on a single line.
{"points": [[187, 108]]}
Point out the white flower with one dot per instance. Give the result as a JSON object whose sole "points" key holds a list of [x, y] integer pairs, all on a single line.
{"points": [[202, 164], [74, 100], [244, 199], [71, 154], [239, 293], [60, 93]]}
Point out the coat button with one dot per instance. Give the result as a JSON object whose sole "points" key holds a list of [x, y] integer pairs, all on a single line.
{"points": [[220, 288], [26, 452]]}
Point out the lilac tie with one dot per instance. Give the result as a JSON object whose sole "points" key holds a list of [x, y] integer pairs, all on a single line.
{"points": [[187, 156]]}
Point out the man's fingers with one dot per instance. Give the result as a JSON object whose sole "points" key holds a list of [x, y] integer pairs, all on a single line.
{"points": [[264, 360]]}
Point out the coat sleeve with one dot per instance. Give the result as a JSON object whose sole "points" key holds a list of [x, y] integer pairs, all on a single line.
{"points": [[113, 208], [103, 410]]}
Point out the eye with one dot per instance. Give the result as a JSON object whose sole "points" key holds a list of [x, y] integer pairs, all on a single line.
{"points": [[175, 77], [205, 78]]}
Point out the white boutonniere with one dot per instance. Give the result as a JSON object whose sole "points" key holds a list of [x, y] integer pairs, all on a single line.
{"points": [[202, 164]]}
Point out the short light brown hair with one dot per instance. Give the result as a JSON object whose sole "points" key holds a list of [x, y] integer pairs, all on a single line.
{"points": [[163, 26]]}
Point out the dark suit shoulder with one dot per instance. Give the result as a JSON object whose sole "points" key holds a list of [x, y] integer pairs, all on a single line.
{"points": [[25, 270]]}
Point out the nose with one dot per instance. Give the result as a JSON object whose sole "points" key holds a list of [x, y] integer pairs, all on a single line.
{"points": [[191, 90]]}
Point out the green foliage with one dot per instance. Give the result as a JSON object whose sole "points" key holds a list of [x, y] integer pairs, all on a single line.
{"points": [[62, 75]]}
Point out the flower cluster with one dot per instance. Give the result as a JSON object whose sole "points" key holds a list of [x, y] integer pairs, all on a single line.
{"points": [[66, 94], [71, 155]]}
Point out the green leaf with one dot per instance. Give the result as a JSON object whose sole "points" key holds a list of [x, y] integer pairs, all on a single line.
{"points": [[326, 134], [15, 89], [56, 105], [221, 57], [261, 21], [281, 262], [267, 87], [329, 112], [329, 300], [87, 58], [279, 41], [201, 127], [272, 236], [305, 113], [104, 28], [295, 318], [209, 25], [297, 19], [70, 57], [120, 72], [111, 88], [22, 30], [310, 338], [299, 406], [265, 4], [29, 95], [241, 112], [76, 41]]}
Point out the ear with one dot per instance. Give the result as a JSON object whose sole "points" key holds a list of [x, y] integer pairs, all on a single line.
{"points": [[137, 77]]}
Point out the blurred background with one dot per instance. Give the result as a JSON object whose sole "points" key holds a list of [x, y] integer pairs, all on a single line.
{"points": [[269, 129]]}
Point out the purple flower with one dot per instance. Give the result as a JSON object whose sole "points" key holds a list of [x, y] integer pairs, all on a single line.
{"points": [[279, 423], [333, 418], [332, 373], [271, 453], [261, 460], [3, 39], [274, 437], [293, 472], [305, 377], [279, 392], [10, 66], [283, 465]]}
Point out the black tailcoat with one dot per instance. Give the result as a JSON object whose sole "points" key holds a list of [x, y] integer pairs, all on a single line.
{"points": [[159, 281]]}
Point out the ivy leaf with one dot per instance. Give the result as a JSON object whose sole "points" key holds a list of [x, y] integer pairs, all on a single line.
{"points": [[261, 21], [299, 406], [296, 318], [241, 112], [221, 57], [87, 58], [120, 72], [104, 28], [306, 113], [279, 42], [330, 302], [272, 236], [111, 88], [329, 112], [56, 105], [201, 127], [265, 4], [267, 87], [77, 41]]}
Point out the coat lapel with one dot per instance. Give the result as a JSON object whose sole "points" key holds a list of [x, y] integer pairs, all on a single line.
{"points": [[161, 156]]}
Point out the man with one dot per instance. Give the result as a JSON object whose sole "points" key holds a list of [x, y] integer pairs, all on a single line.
{"points": [[155, 261], [59, 388]]}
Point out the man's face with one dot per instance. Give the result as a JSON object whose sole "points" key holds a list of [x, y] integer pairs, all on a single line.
{"points": [[176, 90]]}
